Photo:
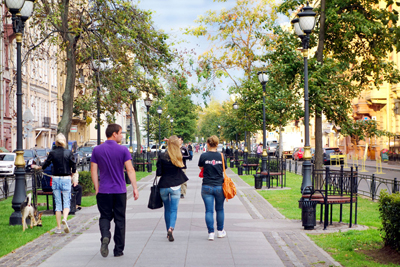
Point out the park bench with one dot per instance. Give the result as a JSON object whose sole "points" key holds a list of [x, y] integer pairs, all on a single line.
{"points": [[251, 164], [276, 169], [335, 187]]}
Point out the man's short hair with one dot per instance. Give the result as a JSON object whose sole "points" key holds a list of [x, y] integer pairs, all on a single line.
{"points": [[180, 137], [112, 128]]}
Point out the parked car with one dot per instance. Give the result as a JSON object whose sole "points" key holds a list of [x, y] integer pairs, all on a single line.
{"points": [[7, 163], [286, 154], [30, 157], [331, 154], [87, 150], [272, 148], [80, 157], [220, 147], [42, 154], [154, 148], [134, 147]]}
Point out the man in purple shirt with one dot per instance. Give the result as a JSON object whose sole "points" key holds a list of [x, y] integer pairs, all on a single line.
{"points": [[111, 158]]}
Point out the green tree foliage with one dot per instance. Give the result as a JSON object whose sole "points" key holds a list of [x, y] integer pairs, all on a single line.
{"points": [[361, 129], [235, 35], [116, 30], [209, 119], [176, 104]]}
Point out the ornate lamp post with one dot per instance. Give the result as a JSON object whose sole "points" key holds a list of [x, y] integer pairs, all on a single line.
{"points": [[171, 120], [245, 152], [303, 27], [235, 107], [219, 130], [147, 103], [263, 78], [159, 111], [97, 66], [132, 91], [21, 11]]}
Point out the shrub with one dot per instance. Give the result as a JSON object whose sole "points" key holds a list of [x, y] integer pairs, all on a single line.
{"points": [[85, 180], [389, 208]]}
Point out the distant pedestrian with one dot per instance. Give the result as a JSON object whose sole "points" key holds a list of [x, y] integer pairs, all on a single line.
{"points": [[190, 149], [185, 156], [170, 168], [111, 158], [259, 150], [211, 190], [64, 167]]}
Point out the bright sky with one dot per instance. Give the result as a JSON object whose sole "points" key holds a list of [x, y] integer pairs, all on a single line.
{"points": [[172, 15]]}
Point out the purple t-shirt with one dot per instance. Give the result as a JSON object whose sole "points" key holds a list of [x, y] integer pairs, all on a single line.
{"points": [[110, 158]]}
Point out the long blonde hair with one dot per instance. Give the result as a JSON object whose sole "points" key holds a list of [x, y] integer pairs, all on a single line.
{"points": [[174, 151]]}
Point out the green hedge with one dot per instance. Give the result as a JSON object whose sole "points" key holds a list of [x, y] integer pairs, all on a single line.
{"points": [[85, 180], [389, 208]]}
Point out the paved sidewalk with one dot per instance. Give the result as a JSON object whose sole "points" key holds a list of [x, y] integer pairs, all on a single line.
{"points": [[257, 235]]}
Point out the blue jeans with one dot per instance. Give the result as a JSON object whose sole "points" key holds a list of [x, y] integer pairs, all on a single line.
{"points": [[62, 185], [209, 194], [171, 200]]}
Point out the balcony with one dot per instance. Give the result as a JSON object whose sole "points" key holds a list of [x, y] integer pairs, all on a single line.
{"points": [[46, 122]]}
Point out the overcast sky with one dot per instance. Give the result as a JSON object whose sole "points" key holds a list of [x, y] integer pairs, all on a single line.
{"points": [[172, 15]]}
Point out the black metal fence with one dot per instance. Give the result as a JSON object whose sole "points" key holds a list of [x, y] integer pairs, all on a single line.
{"points": [[368, 185]]}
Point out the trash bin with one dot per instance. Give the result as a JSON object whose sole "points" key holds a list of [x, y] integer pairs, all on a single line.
{"points": [[127, 181], [308, 215], [231, 164], [240, 170], [257, 181], [149, 167]]}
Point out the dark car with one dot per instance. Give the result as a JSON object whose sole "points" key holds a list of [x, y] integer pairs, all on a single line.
{"points": [[332, 154], [87, 150], [42, 154], [30, 157], [80, 157]]}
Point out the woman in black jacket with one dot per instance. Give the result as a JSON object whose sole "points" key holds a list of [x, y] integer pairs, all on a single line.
{"points": [[169, 167], [64, 167]]}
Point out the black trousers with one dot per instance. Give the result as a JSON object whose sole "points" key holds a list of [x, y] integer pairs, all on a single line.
{"points": [[112, 206], [78, 192]]}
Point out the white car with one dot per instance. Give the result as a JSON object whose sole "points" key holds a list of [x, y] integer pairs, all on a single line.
{"points": [[154, 148], [220, 147], [7, 163]]}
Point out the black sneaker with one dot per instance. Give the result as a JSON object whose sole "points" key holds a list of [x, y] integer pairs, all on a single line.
{"points": [[104, 246], [119, 254]]}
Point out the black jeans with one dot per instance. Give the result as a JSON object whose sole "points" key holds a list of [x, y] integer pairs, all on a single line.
{"points": [[112, 206], [78, 190]]}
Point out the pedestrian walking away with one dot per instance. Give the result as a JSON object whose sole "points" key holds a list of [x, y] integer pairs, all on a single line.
{"points": [[211, 190], [170, 167], [190, 149], [185, 156], [64, 167], [110, 159]]}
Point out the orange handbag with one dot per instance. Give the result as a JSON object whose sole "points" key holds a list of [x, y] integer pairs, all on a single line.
{"points": [[228, 186]]}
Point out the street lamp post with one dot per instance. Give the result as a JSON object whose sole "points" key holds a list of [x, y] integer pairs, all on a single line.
{"points": [[97, 66], [245, 153], [21, 11], [171, 120], [303, 27], [235, 107], [263, 78], [147, 103], [159, 111]]}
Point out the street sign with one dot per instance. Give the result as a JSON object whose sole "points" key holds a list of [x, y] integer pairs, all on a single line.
{"points": [[74, 128]]}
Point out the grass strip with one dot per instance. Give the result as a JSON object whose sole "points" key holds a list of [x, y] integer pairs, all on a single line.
{"points": [[344, 247]]}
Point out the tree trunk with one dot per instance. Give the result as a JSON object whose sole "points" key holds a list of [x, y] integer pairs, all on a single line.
{"points": [[318, 117], [64, 125], [137, 128]]}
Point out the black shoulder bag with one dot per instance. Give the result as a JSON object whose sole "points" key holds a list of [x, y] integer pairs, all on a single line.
{"points": [[155, 201]]}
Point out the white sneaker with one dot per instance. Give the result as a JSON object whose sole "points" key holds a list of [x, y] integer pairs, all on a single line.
{"points": [[211, 236], [221, 234]]}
